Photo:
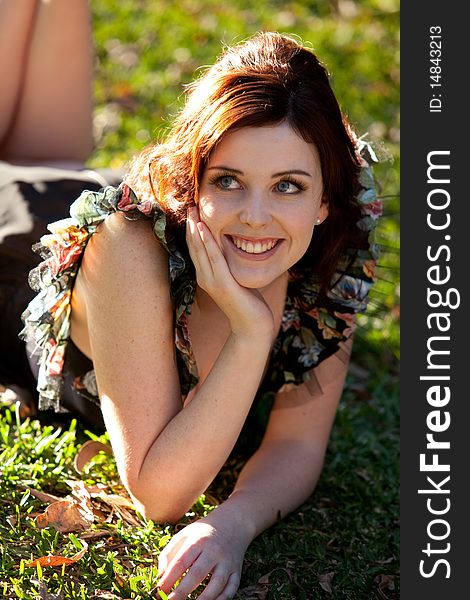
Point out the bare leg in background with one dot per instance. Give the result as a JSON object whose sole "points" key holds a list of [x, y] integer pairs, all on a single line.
{"points": [[46, 64]]}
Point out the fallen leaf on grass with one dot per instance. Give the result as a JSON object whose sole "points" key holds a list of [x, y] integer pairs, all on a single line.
{"points": [[43, 496], [363, 474], [93, 535], [254, 592], [261, 589], [127, 517], [327, 503], [386, 583], [79, 490], [65, 516], [12, 520], [76, 512], [87, 452], [387, 561], [264, 579], [58, 561], [73, 513], [114, 500], [325, 581]]}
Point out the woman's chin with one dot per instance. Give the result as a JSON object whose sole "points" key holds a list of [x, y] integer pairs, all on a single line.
{"points": [[248, 282], [254, 281]]}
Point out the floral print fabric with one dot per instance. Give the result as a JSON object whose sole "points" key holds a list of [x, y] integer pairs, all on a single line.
{"points": [[310, 332]]}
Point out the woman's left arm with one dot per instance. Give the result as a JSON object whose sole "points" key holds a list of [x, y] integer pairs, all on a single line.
{"points": [[279, 477]]}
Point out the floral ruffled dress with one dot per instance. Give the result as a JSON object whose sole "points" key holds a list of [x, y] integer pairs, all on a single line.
{"points": [[310, 332]]}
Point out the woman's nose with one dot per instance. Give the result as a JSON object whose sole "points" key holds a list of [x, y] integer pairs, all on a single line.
{"points": [[256, 210]]}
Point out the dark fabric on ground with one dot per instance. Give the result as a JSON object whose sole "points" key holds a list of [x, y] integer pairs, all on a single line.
{"points": [[30, 198]]}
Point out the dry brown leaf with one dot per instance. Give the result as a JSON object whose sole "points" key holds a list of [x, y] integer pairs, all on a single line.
{"points": [[325, 581], [12, 520], [127, 517], [92, 535], [100, 515], [254, 592], [43, 496], [79, 489], [96, 488], [264, 579], [385, 583], [387, 561], [66, 515], [87, 452], [58, 561], [327, 503], [363, 474], [114, 500], [261, 589]]}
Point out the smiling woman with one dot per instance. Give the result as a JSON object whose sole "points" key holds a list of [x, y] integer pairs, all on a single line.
{"points": [[230, 263]]}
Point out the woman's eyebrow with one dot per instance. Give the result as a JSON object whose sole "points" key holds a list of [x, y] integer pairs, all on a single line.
{"points": [[292, 172], [223, 168], [282, 173]]}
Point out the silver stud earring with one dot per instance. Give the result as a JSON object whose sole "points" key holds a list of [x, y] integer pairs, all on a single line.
{"points": [[318, 221]]}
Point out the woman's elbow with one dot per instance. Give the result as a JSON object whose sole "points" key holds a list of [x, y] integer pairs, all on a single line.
{"points": [[158, 509]]}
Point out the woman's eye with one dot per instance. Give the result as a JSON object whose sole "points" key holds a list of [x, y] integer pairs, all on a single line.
{"points": [[227, 182], [287, 187]]}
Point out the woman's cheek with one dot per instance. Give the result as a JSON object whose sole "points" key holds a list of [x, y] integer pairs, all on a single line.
{"points": [[207, 210], [213, 217]]}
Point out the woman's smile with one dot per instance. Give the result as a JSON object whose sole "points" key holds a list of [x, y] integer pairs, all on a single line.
{"points": [[254, 248]]}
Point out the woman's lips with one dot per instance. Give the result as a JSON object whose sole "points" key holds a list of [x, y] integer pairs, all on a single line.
{"points": [[254, 248]]}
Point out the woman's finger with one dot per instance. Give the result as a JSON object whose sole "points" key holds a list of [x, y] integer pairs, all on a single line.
{"points": [[168, 553], [198, 571], [216, 585], [214, 253], [230, 589], [197, 249], [178, 567]]}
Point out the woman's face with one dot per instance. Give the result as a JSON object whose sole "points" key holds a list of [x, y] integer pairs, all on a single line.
{"points": [[260, 196]]}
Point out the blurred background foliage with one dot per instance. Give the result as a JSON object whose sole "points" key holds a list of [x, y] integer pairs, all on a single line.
{"points": [[147, 50]]}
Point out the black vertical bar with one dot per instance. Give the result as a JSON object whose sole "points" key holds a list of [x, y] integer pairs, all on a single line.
{"points": [[435, 257]]}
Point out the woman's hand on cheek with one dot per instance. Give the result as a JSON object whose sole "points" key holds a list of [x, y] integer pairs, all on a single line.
{"points": [[198, 550], [245, 308]]}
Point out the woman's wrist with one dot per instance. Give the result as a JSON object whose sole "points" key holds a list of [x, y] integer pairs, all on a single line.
{"points": [[258, 337], [234, 521]]}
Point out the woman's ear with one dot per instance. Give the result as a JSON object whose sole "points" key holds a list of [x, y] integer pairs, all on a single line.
{"points": [[323, 212]]}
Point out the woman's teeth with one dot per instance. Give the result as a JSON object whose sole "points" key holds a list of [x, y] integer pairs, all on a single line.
{"points": [[254, 247]]}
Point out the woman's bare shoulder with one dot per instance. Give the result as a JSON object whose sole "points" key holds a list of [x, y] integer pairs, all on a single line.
{"points": [[123, 264], [121, 245]]}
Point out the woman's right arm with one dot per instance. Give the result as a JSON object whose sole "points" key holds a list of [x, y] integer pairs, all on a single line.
{"points": [[167, 455]]}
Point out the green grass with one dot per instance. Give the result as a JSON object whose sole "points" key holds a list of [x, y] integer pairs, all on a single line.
{"points": [[349, 528], [341, 544]]}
